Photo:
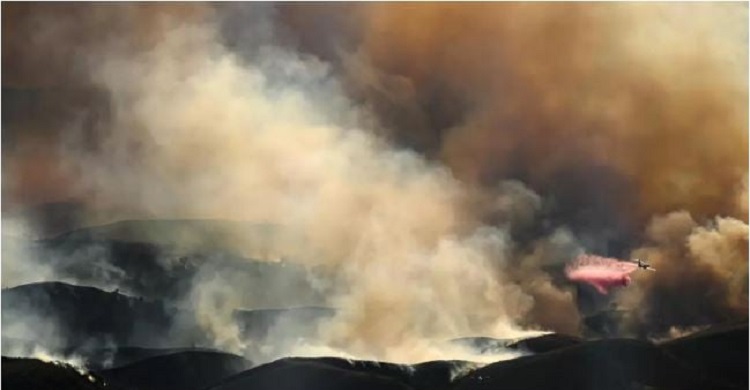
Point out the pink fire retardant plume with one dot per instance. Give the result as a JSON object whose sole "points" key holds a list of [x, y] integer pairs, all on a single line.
{"points": [[601, 272]]}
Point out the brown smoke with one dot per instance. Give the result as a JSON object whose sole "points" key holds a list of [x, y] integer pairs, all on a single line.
{"points": [[655, 93], [701, 274], [47, 49]]}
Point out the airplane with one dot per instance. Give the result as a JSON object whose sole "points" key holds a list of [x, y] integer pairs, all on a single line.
{"points": [[643, 265]]}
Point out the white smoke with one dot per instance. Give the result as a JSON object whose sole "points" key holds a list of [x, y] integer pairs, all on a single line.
{"points": [[197, 132]]}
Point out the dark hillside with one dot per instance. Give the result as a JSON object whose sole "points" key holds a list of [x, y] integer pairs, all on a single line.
{"points": [[719, 352], [309, 374], [192, 370], [605, 364], [32, 374]]}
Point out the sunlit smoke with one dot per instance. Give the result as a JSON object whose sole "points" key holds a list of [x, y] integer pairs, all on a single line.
{"points": [[276, 141]]}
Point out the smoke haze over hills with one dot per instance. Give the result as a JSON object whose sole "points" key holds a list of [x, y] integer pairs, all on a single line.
{"points": [[437, 165]]}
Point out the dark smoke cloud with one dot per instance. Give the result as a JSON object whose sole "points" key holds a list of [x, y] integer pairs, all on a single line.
{"points": [[653, 96]]}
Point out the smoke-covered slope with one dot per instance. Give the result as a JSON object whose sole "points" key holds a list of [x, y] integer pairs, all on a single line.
{"points": [[163, 259], [98, 359], [603, 364], [296, 322], [698, 361], [28, 374], [59, 316], [546, 343]]}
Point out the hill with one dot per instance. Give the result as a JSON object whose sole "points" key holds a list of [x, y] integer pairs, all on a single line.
{"points": [[712, 359], [602, 364], [311, 374], [91, 322], [29, 374], [189, 370], [719, 352], [161, 259]]}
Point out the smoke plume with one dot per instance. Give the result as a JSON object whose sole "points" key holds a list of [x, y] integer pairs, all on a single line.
{"points": [[542, 92], [196, 132], [437, 164], [701, 275]]}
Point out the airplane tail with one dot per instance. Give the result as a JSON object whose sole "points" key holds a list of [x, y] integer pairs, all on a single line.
{"points": [[642, 265]]}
